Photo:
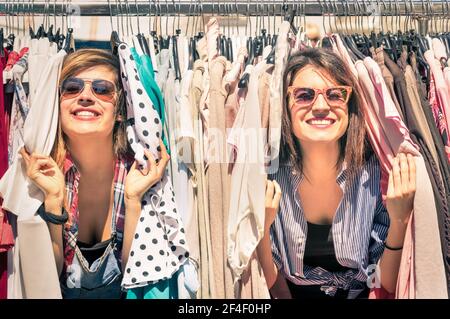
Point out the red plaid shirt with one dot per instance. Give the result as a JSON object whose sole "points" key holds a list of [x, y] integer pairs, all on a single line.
{"points": [[72, 177]]}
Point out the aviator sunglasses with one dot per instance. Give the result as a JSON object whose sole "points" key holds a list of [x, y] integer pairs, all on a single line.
{"points": [[102, 89]]}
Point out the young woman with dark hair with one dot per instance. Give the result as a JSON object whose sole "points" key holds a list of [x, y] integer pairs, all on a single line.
{"points": [[327, 230]]}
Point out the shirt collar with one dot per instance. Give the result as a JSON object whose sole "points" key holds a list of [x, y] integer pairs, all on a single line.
{"points": [[296, 178], [68, 163]]}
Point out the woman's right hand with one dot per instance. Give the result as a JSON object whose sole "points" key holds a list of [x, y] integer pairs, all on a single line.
{"points": [[273, 196], [45, 173]]}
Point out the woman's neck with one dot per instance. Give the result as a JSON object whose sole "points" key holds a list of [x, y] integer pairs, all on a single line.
{"points": [[319, 161], [94, 159]]}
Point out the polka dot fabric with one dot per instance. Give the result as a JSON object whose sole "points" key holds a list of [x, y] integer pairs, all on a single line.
{"points": [[159, 244]]}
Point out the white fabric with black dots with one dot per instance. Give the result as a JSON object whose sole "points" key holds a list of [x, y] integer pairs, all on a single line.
{"points": [[159, 245]]}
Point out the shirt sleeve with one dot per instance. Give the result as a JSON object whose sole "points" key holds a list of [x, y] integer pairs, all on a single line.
{"points": [[276, 256], [379, 232]]}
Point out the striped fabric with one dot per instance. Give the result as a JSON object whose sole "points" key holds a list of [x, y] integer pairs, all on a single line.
{"points": [[359, 229]]}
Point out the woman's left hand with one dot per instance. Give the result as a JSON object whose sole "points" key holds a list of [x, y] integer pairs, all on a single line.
{"points": [[401, 188], [138, 181]]}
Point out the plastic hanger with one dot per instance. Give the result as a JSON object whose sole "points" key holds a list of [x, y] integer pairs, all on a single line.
{"points": [[67, 45], [230, 49], [175, 58], [243, 82], [115, 42]]}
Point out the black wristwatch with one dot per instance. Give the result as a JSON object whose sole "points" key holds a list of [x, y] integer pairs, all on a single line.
{"points": [[52, 218]]}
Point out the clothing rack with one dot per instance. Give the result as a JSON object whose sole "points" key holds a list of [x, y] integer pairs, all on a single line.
{"points": [[415, 9]]}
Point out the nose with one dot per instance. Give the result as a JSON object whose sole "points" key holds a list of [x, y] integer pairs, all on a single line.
{"points": [[86, 95], [320, 106]]}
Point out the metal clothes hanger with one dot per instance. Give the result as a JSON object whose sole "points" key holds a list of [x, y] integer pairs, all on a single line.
{"points": [[114, 39]]}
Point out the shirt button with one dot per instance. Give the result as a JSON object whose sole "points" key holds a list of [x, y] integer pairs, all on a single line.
{"points": [[299, 255], [299, 240], [297, 274]]}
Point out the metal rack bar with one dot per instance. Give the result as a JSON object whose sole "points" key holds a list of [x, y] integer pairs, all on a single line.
{"points": [[250, 8]]}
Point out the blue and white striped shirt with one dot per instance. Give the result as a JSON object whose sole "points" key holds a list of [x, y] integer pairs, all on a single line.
{"points": [[359, 229]]}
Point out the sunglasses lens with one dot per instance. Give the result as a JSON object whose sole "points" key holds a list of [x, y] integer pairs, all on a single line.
{"points": [[303, 96], [102, 87], [337, 96], [72, 86]]}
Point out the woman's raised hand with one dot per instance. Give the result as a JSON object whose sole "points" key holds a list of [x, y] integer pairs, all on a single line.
{"points": [[44, 173], [273, 196], [401, 188], [138, 181]]}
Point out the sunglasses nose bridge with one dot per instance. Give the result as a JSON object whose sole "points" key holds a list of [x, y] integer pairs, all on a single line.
{"points": [[320, 102], [87, 91]]}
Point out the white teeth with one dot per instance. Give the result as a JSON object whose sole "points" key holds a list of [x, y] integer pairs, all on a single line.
{"points": [[85, 114], [320, 122]]}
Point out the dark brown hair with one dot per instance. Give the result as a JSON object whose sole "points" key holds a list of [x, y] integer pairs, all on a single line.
{"points": [[353, 144], [81, 60]]}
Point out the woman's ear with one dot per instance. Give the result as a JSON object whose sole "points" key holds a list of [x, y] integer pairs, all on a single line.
{"points": [[119, 118]]}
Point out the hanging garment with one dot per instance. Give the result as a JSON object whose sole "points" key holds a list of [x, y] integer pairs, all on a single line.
{"points": [[163, 59], [146, 73], [417, 124], [378, 56], [185, 155], [231, 81], [207, 47], [163, 69], [447, 77], [439, 99], [424, 191], [4, 120], [206, 274], [234, 134], [276, 94], [218, 178], [40, 52], [19, 110], [425, 218], [412, 122], [164, 289], [20, 195], [439, 50], [246, 215], [159, 247], [415, 108], [33, 250], [5, 231], [179, 124], [437, 139]]}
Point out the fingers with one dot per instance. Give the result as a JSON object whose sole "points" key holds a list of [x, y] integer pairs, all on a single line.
{"points": [[165, 157], [273, 194], [37, 163], [397, 178], [402, 178], [391, 189], [25, 155], [164, 154], [270, 189], [404, 173], [277, 197], [151, 164], [412, 172]]}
